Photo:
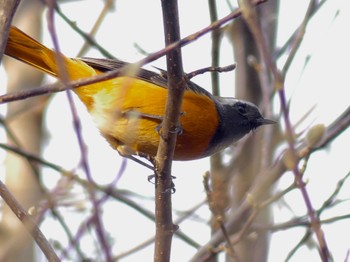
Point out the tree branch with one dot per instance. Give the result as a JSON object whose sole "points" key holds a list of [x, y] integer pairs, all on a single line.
{"points": [[29, 224], [168, 134], [8, 9]]}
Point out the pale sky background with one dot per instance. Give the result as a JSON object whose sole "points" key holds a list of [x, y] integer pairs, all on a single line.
{"points": [[324, 82]]}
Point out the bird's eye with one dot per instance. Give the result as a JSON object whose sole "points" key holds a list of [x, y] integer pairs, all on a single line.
{"points": [[241, 108]]}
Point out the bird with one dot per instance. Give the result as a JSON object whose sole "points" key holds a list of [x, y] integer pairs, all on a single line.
{"points": [[128, 109]]}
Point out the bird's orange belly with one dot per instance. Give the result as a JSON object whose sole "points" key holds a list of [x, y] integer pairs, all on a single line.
{"points": [[129, 112]]}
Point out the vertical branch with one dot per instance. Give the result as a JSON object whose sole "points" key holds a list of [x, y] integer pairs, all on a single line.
{"points": [[253, 84], [22, 178], [249, 14], [218, 193], [215, 50], [168, 134], [246, 164], [64, 76], [7, 11]]}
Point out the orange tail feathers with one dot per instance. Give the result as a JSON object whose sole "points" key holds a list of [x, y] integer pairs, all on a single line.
{"points": [[24, 48]]}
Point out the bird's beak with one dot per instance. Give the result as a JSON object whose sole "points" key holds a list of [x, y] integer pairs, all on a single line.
{"points": [[265, 121]]}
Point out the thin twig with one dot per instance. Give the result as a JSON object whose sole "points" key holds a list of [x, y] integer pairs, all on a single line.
{"points": [[86, 36], [146, 243], [11, 135], [297, 39], [64, 76], [287, 44], [231, 251], [29, 224], [302, 221], [216, 69], [301, 243], [106, 8], [94, 219], [58, 87]]}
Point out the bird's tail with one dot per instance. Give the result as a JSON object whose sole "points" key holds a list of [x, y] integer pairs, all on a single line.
{"points": [[24, 48]]}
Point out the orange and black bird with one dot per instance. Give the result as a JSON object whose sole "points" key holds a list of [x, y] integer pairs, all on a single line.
{"points": [[129, 109]]}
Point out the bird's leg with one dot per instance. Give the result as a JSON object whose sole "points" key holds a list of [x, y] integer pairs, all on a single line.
{"points": [[179, 130]]}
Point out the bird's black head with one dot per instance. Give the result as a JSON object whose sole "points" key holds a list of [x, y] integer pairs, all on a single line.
{"points": [[237, 118], [245, 115]]}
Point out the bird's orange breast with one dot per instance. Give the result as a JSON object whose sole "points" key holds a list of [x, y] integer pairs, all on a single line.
{"points": [[129, 111]]}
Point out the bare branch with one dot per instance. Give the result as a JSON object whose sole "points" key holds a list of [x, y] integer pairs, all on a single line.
{"points": [[29, 224], [163, 160]]}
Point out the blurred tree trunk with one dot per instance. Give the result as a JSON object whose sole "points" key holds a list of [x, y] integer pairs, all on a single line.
{"points": [[24, 118], [256, 152]]}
